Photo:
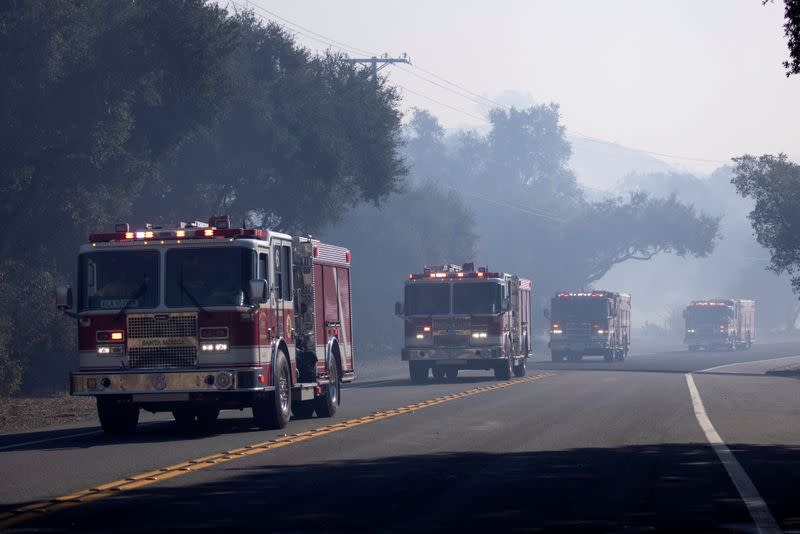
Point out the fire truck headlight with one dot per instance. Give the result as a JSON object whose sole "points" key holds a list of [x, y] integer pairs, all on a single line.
{"points": [[479, 335], [420, 336], [220, 346], [690, 330], [601, 331], [103, 350], [213, 347], [557, 331]]}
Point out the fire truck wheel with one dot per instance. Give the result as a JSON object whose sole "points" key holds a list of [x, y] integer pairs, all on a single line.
{"points": [[418, 371], [451, 373], [184, 418], [692, 348], [438, 373], [608, 355], [502, 369], [272, 410], [302, 409], [325, 405], [117, 418], [557, 356], [521, 369]]}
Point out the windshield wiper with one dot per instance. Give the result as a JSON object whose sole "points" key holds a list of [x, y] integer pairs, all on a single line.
{"points": [[139, 292], [194, 300]]}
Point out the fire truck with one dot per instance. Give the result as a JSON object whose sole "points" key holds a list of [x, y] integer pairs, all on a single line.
{"points": [[589, 323], [720, 324], [459, 318], [203, 317]]}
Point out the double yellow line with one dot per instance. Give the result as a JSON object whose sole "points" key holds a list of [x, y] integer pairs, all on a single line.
{"points": [[37, 509]]}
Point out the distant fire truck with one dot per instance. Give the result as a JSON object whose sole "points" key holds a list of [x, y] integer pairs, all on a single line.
{"points": [[720, 324], [203, 317], [459, 318], [589, 323]]}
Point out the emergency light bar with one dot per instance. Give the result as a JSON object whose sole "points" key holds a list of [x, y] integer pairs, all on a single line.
{"points": [[457, 275], [218, 227], [711, 303]]}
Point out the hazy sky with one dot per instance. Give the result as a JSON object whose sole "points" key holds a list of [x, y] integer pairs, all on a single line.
{"points": [[694, 78]]}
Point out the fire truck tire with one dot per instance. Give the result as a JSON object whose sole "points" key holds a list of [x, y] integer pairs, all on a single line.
{"points": [[557, 356], [451, 373], [325, 404], [503, 369], [608, 355], [272, 410], [116, 417], [521, 369], [693, 348], [438, 373], [418, 372], [303, 409]]}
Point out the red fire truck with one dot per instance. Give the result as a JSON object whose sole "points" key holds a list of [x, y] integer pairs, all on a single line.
{"points": [[459, 318], [203, 317], [720, 324], [586, 323]]}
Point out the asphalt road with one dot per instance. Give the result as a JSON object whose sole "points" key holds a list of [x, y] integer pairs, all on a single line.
{"points": [[576, 446]]}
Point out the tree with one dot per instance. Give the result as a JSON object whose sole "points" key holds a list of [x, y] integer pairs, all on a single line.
{"points": [[615, 231], [791, 29], [305, 139], [773, 182]]}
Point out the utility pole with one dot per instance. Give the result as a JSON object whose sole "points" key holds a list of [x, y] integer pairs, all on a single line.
{"points": [[383, 60]]}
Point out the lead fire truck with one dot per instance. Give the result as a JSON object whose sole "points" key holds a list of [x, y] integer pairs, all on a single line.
{"points": [[203, 317], [459, 318], [586, 323], [720, 324]]}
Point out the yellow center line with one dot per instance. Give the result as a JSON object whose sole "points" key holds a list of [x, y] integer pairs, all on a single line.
{"points": [[37, 509]]}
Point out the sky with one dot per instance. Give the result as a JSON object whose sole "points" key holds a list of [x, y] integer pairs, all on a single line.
{"points": [[689, 80]]}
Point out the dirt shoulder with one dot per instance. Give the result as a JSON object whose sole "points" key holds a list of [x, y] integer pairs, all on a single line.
{"points": [[26, 413]]}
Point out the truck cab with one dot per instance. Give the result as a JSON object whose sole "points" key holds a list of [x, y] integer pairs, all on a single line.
{"points": [[719, 324], [458, 318], [589, 323], [201, 317]]}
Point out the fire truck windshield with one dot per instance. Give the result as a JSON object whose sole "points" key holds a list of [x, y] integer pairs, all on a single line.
{"points": [[427, 299], [476, 298], [116, 279], [208, 276], [707, 314], [580, 309]]}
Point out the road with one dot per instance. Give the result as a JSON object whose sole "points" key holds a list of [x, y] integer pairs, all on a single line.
{"points": [[574, 446]]}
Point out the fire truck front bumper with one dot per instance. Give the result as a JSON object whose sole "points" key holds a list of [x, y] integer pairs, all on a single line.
{"points": [[168, 381], [579, 347], [454, 354]]}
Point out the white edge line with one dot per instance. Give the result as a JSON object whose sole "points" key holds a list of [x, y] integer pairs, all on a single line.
{"points": [[759, 511], [743, 363], [45, 440]]}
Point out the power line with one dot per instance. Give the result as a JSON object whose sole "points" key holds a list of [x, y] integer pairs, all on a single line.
{"points": [[473, 96]]}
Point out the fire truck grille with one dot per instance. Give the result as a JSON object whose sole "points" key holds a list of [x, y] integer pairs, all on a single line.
{"points": [[163, 357], [172, 325], [452, 323], [178, 327], [579, 332]]}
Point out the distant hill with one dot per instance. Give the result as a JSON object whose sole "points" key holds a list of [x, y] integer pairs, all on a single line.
{"points": [[601, 165]]}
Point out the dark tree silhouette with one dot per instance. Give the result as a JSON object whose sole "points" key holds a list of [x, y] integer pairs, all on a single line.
{"points": [[773, 182]]}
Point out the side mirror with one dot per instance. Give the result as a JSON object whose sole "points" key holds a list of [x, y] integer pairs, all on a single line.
{"points": [[398, 309], [546, 313], [63, 297], [257, 291], [506, 305]]}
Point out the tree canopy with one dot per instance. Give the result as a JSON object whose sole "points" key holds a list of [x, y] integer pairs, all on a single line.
{"points": [[115, 110], [773, 182]]}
